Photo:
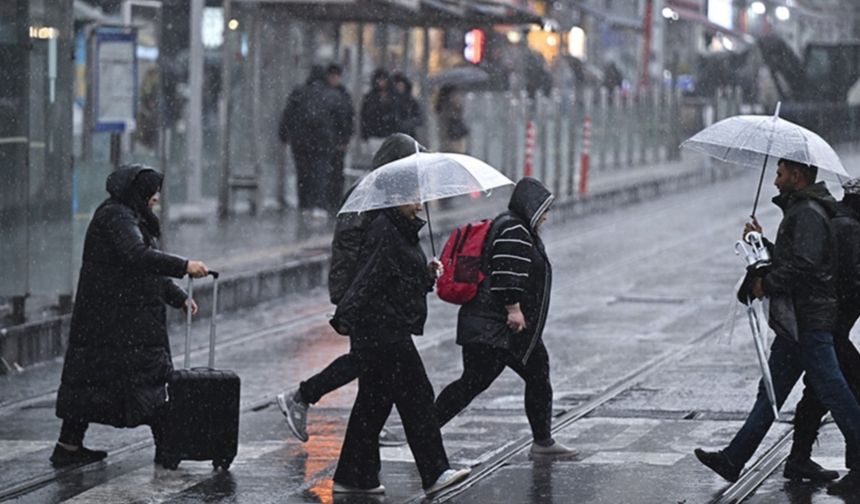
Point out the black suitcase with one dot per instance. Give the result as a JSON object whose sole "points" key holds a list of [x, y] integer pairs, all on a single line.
{"points": [[202, 414]]}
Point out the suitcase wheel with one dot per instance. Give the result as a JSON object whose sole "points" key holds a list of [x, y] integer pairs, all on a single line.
{"points": [[222, 463]]}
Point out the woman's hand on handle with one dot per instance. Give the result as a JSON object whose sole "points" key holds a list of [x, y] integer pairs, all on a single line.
{"points": [[196, 269]]}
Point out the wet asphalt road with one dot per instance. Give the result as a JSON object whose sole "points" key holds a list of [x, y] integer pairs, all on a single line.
{"points": [[643, 284]]}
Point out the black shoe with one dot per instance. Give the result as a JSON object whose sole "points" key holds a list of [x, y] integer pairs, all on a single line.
{"points": [[848, 486], [719, 463], [64, 458], [808, 469]]}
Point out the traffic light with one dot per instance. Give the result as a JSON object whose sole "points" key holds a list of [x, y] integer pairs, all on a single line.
{"points": [[474, 50]]}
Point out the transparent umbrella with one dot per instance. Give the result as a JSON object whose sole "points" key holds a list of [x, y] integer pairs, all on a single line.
{"points": [[420, 178], [751, 140]]}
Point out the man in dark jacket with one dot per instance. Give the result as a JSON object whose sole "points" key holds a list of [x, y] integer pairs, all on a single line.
{"points": [[344, 128], [804, 263], [810, 411], [349, 234], [503, 325], [308, 123], [385, 305], [118, 359]]}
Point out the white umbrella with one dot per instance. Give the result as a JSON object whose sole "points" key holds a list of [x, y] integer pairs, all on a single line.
{"points": [[423, 177], [750, 140]]}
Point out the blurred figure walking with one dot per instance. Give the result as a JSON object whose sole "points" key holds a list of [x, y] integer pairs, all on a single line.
{"points": [[378, 118], [407, 110], [453, 131], [308, 123]]}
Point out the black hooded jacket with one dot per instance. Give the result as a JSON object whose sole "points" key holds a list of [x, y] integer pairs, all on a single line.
{"points": [[387, 300], [517, 271], [118, 358], [804, 261]]}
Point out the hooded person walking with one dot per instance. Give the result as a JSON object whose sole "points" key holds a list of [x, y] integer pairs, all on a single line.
{"points": [[384, 306], [503, 325], [349, 234], [118, 360]]}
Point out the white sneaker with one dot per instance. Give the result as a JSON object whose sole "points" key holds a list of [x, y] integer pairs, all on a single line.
{"points": [[555, 450], [447, 479], [296, 414], [340, 488]]}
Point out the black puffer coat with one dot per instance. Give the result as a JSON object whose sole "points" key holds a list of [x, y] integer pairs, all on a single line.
{"points": [[517, 271], [387, 300], [118, 358], [804, 261]]}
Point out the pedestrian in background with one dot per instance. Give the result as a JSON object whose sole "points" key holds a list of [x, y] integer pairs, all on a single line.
{"points": [[453, 131], [803, 313], [308, 124], [385, 305], [407, 110], [344, 128], [118, 360], [503, 325], [810, 411], [378, 118]]}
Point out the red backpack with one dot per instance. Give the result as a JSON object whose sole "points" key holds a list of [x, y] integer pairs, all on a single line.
{"points": [[461, 259]]}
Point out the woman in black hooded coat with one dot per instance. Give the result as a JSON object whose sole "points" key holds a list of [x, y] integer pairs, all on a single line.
{"points": [[118, 359]]}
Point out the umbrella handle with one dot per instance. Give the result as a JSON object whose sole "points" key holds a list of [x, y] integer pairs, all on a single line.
{"points": [[760, 182], [430, 229]]}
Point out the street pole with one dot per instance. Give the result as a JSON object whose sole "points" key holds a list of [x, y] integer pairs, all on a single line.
{"points": [[647, 20], [224, 114], [195, 104]]}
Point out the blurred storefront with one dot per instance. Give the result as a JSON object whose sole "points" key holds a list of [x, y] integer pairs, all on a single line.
{"points": [[36, 40]]}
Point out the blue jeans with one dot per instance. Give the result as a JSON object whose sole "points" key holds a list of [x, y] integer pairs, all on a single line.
{"points": [[815, 355]]}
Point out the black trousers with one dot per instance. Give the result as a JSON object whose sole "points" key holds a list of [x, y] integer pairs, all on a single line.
{"points": [[72, 432], [482, 364], [391, 375], [341, 371], [313, 169], [810, 411]]}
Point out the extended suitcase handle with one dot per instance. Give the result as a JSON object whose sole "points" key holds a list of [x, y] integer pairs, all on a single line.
{"points": [[212, 322]]}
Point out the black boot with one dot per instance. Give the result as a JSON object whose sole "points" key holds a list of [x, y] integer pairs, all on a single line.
{"points": [[848, 486], [797, 469], [63, 457], [719, 463]]}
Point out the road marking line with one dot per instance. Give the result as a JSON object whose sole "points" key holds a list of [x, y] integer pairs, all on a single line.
{"points": [[649, 458], [154, 485], [11, 448]]}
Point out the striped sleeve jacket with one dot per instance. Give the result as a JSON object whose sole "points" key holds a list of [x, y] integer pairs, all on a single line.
{"points": [[510, 262]]}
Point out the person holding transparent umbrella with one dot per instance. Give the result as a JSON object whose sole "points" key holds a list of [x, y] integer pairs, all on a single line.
{"points": [[802, 272], [799, 283], [385, 305]]}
